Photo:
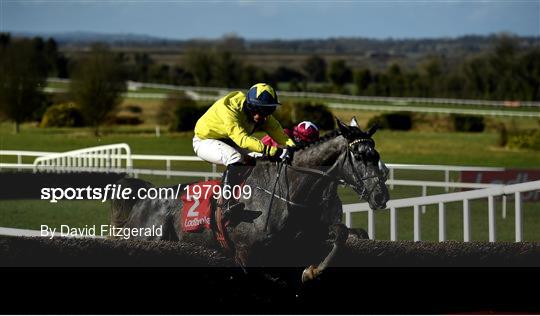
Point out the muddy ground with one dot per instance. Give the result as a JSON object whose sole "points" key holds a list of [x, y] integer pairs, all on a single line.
{"points": [[372, 277], [26, 251]]}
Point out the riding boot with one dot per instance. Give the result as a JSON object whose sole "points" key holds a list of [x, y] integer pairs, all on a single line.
{"points": [[231, 178]]}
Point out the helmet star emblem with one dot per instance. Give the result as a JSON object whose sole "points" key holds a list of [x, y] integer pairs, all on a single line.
{"points": [[261, 87]]}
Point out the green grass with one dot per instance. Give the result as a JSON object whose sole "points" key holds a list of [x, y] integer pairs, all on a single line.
{"points": [[57, 85], [416, 147], [30, 214]]}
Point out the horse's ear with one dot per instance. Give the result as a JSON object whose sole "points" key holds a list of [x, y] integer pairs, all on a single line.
{"points": [[354, 122], [345, 130], [373, 129]]}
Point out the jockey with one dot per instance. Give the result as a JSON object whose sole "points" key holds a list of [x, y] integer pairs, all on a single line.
{"points": [[305, 131], [223, 133]]}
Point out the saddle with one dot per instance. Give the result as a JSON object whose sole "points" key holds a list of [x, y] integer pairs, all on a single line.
{"points": [[201, 210]]}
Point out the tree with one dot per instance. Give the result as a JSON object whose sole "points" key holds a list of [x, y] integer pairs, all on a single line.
{"points": [[252, 74], [143, 63], [182, 77], [431, 73], [315, 68], [52, 57], [97, 85], [381, 83], [231, 42], [339, 73], [396, 81], [226, 70], [5, 39], [285, 74], [479, 77], [530, 70], [171, 107], [22, 77], [159, 73], [503, 62], [362, 80], [199, 62]]}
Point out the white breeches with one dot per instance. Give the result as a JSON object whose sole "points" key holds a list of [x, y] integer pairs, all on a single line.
{"points": [[218, 152]]}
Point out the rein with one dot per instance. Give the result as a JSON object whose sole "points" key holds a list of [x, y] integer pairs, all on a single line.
{"points": [[326, 174]]}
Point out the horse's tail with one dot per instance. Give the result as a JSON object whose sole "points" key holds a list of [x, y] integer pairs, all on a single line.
{"points": [[121, 208]]}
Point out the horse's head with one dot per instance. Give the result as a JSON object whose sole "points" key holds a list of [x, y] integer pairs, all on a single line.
{"points": [[362, 167]]}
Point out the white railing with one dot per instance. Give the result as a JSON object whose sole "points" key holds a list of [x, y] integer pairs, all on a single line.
{"points": [[20, 154], [442, 110], [445, 169], [107, 158], [313, 95], [440, 200], [402, 100], [168, 172], [169, 158]]}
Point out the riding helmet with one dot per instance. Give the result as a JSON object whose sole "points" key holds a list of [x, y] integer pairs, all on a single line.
{"points": [[262, 98], [306, 131]]}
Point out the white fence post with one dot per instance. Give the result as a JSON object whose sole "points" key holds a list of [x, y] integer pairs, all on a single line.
{"points": [[491, 220], [348, 219], [392, 178], [466, 221], [504, 206], [446, 178], [424, 193], [519, 223], [371, 224], [442, 224], [417, 233], [393, 224]]}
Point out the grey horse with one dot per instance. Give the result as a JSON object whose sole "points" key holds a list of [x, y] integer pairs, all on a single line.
{"points": [[293, 209]]}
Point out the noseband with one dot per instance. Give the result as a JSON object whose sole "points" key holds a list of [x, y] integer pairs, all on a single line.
{"points": [[356, 177], [355, 174]]}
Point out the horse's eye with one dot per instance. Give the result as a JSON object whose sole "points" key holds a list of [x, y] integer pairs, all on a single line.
{"points": [[372, 154]]}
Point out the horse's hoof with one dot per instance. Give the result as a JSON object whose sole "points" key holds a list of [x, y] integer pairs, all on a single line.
{"points": [[359, 233], [339, 233], [309, 274]]}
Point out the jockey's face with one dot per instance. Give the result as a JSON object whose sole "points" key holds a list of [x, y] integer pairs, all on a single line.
{"points": [[259, 114], [259, 118]]}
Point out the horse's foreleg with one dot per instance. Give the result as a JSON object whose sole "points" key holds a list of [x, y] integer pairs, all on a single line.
{"points": [[338, 234]]}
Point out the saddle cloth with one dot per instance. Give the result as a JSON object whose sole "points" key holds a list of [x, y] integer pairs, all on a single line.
{"points": [[197, 206]]}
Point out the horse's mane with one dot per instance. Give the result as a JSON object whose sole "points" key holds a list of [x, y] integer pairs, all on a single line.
{"points": [[330, 135], [326, 137]]}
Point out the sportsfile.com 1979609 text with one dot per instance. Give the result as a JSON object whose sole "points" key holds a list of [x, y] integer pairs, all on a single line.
{"points": [[114, 191]]}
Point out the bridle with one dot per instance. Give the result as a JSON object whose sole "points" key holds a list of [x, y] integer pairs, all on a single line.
{"points": [[328, 174], [349, 156], [355, 175]]}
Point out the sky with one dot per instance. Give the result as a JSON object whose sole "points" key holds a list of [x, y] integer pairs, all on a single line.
{"points": [[177, 19]]}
